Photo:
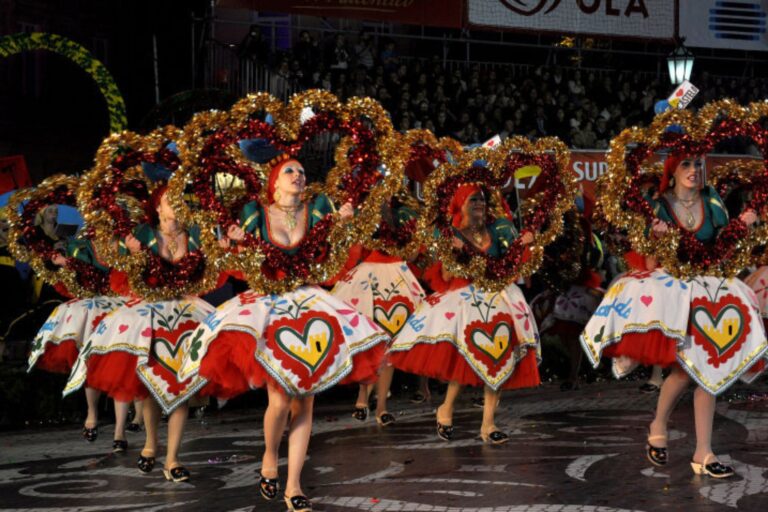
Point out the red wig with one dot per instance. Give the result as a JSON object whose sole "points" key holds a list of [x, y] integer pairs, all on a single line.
{"points": [[462, 194], [154, 202], [277, 164]]}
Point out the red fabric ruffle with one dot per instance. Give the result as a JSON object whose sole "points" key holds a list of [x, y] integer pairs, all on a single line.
{"points": [[380, 257], [635, 260], [230, 366], [62, 290], [59, 358], [366, 365], [115, 373], [118, 283], [651, 348], [443, 362], [433, 276]]}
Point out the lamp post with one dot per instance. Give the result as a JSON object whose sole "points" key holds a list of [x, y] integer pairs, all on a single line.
{"points": [[680, 63]]}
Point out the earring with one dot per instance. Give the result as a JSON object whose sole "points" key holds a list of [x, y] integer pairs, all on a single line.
{"points": [[276, 195], [672, 181]]}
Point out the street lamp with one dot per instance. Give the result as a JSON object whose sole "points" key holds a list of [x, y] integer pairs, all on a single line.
{"points": [[680, 63]]}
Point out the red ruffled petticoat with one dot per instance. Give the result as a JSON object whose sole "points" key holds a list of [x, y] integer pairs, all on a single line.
{"points": [[58, 358], [443, 362], [115, 374], [231, 368], [651, 348]]}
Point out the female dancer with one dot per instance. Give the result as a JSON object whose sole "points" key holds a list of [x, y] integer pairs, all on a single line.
{"points": [[384, 289], [704, 327], [67, 330], [137, 350], [295, 344], [467, 336], [63, 335]]}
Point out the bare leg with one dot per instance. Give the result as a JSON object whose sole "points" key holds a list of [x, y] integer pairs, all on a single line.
{"points": [[671, 391], [363, 395], [151, 421], [298, 443], [175, 432], [121, 417], [445, 411], [138, 418], [382, 389], [656, 378], [424, 387], [275, 419], [490, 402], [92, 398], [704, 414]]}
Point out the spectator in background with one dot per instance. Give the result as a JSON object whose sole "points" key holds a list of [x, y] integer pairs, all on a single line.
{"points": [[339, 57], [254, 47], [364, 51], [389, 56]]}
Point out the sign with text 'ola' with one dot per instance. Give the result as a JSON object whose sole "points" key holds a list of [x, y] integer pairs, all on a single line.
{"points": [[646, 19]]}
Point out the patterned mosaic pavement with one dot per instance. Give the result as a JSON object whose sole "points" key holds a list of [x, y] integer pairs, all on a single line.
{"points": [[579, 451]]}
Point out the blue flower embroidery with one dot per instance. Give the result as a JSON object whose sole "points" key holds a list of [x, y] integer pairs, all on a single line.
{"points": [[670, 281]]}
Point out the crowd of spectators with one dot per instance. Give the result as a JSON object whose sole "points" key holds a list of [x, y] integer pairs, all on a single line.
{"points": [[473, 102]]}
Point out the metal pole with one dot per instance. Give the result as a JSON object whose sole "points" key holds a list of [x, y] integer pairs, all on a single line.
{"points": [[192, 49], [157, 74]]}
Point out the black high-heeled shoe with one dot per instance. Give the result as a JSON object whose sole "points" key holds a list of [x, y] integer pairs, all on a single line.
{"points": [[268, 487], [385, 419], [90, 434], [360, 413], [145, 464], [177, 474], [495, 437], [715, 469], [656, 455], [133, 427], [444, 432], [119, 446], [298, 504]]}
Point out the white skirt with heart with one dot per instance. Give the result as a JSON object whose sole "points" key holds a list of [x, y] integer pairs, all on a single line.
{"points": [[710, 326], [472, 337], [71, 323], [137, 350], [304, 342], [387, 293], [758, 281]]}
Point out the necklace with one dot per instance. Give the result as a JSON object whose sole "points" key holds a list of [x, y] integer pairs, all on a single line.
{"points": [[476, 233], [171, 241], [690, 219], [289, 215]]}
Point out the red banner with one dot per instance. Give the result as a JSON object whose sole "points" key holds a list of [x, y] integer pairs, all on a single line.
{"points": [[437, 13], [13, 173]]}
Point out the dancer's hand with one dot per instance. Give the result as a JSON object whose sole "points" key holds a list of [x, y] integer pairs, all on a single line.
{"points": [[526, 238], [59, 260], [659, 227], [236, 233], [457, 243], [748, 217], [346, 211], [132, 243]]}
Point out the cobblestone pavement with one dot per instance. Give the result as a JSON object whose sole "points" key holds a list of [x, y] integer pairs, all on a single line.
{"points": [[578, 451]]}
